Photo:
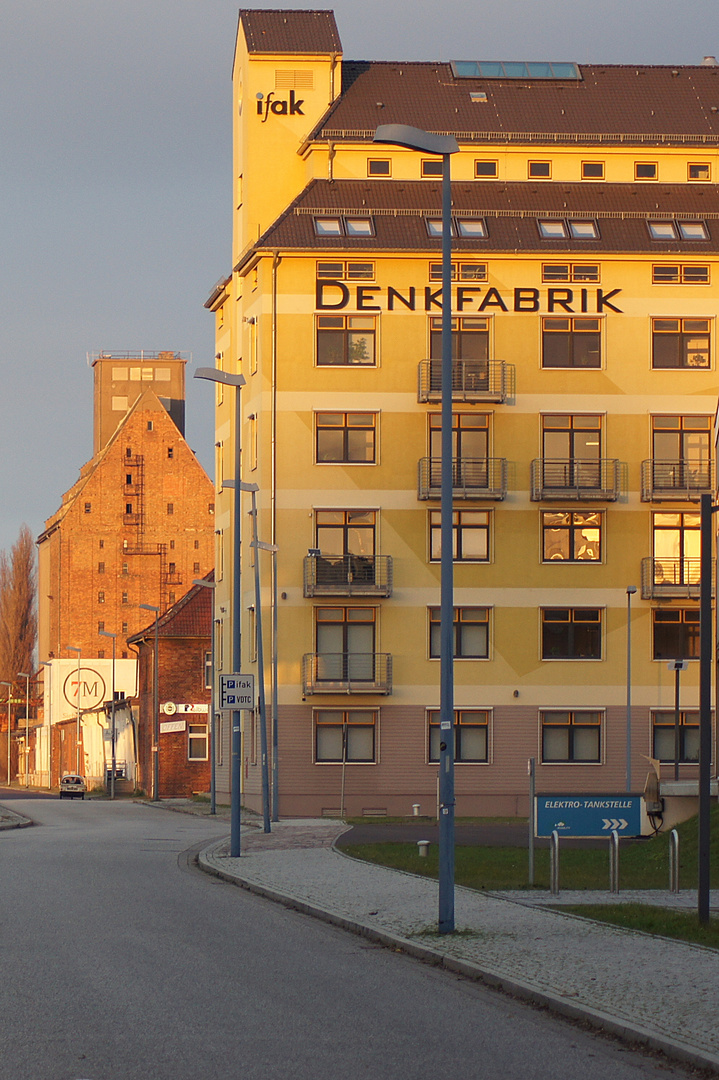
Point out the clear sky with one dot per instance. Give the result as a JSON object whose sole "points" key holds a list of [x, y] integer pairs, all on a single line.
{"points": [[115, 127]]}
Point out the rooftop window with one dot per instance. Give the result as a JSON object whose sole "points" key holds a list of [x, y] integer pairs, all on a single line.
{"points": [[559, 229], [470, 228], [504, 69], [344, 226], [673, 230]]}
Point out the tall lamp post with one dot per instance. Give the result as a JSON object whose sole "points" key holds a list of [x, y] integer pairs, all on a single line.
{"points": [[74, 648], [213, 732], [48, 664], [443, 145], [238, 381], [26, 677], [273, 549], [155, 706], [706, 650], [3, 682], [253, 489], [106, 633], [631, 589]]}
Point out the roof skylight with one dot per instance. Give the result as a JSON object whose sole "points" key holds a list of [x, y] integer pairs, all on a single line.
{"points": [[504, 69]]}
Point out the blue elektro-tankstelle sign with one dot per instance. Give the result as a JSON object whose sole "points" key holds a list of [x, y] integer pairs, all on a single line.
{"points": [[588, 815]]}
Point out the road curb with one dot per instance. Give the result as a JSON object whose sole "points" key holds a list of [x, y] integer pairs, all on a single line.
{"points": [[18, 821], [627, 1032]]}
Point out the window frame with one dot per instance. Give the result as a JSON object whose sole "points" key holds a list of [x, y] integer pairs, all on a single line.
{"points": [[346, 329], [573, 645], [346, 273], [688, 637], [602, 166], [683, 335], [699, 165], [599, 725], [575, 272], [198, 733], [661, 273], [574, 530], [318, 724], [639, 165], [460, 271], [572, 331], [432, 728], [346, 428], [434, 625], [379, 161], [669, 726], [458, 529], [533, 164], [486, 161]]}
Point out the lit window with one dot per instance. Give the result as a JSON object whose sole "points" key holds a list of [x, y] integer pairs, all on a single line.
{"points": [[646, 170], [539, 170], [345, 735], [571, 536], [570, 735], [471, 735], [378, 167], [485, 170], [699, 171], [552, 230], [592, 170]]}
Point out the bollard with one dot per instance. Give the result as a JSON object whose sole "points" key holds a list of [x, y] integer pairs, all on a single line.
{"points": [[614, 862], [674, 861], [415, 809], [423, 848], [554, 863]]}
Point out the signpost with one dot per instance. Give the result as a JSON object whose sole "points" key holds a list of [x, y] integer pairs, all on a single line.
{"points": [[589, 815], [237, 692]]}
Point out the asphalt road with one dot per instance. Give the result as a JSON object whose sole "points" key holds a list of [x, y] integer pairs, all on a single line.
{"points": [[121, 961]]}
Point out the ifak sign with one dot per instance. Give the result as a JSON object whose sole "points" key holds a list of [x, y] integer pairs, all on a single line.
{"points": [[268, 104]]}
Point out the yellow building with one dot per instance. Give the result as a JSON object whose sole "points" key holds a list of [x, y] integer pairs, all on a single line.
{"points": [[586, 232]]}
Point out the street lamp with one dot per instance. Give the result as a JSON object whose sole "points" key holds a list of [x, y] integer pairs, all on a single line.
{"points": [[48, 665], [106, 633], [238, 381], [253, 489], [155, 706], [631, 589], [26, 677], [444, 145], [74, 648], [4, 682], [273, 549], [213, 733]]}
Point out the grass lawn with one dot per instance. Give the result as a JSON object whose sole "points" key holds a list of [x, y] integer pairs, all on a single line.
{"points": [[683, 925], [643, 865]]}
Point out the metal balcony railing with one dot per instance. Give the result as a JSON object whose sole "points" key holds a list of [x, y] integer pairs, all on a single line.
{"points": [[472, 478], [348, 575], [351, 673], [472, 380], [676, 479], [575, 478], [672, 578]]}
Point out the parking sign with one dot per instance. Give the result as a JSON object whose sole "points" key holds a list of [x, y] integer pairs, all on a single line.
{"points": [[237, 691]]}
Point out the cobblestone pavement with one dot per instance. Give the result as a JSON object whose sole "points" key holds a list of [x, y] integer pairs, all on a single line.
{"points": [[653, 990]]}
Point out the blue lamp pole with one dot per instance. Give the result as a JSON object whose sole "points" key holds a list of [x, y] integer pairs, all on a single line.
{"points": [[444, 145], [238, 381], [213, 722]]}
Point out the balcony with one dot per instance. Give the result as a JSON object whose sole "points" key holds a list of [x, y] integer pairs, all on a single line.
{"points": [[672, 579], [348, 575], [684, 480], [472, 478], [347, 673], [472, 380], [575, 478]]}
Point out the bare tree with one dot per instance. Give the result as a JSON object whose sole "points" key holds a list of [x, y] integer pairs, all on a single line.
{"points": [[18, 607]]}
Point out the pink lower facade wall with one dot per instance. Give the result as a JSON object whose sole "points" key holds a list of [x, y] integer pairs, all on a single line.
{"points": [[402, 776]]}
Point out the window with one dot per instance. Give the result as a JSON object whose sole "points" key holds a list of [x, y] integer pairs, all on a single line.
{"points": [[346, 270], [345, 532], [470, 340], [432, 167], [208, 670], [552, 230], [171, 567], [128, 451], [345, 640], [571, 536], [128, 508], [539, 170], [210, 508], [150, 425], [485, 170], [592, 170], [124, 628], [125, 568], [101, 543], [101, 568], [379, 167], [470, 535], [197, 742], [361, 226], [677, 555], [344, 226], [676, 633], [328, 226], [124, 598], [571, 634], [195, 568], [119, 403], [345, 340], [101, 654], [197, 545], [680, 274], [646, 170], [570, 272], [575, 228], [170, 451], [88, 508], [171, 508], [171, 598], [128, 479], [100, 626], [681, 439], [697, 170], [464, 271], [685, 230], [693, 230], [470, 438], [101, 597], [470, 633], [471, 736], [345, 735], [570, 735], [470, 228], [574, 438], [680, 343], [571, 343], [663, 736], [345, 438], [583, 230]]}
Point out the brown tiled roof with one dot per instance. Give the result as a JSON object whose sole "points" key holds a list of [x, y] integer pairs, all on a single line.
{"points": [[640, 104], [190, 617], [399, 208], [290, 31]]}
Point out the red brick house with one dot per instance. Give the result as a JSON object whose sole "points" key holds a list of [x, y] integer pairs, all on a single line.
{"points": [[185, 680]]}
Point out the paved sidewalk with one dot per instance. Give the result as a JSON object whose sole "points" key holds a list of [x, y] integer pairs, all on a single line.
{"points": [[11, 820], [662, 993]]}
